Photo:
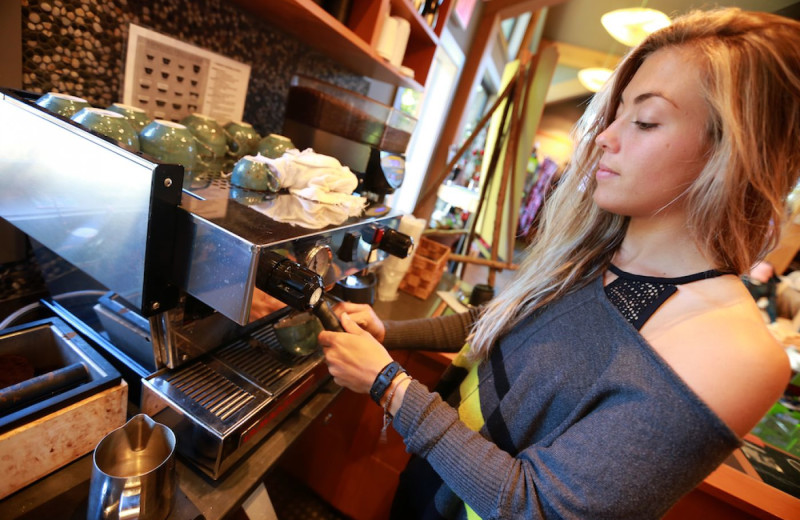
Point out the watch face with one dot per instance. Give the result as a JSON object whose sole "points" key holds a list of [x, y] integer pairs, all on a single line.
{"points": [[318, 259]]}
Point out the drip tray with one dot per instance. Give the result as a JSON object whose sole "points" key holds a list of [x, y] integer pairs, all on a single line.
{"points": [[222, 404]]}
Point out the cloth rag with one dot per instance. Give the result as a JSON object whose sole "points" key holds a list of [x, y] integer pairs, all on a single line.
{"points": [[315, 173], [320, 190]]}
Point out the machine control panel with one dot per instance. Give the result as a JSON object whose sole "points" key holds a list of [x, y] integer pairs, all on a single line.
{"points": [[373, 234], [349, 248], [389, 240], [396, 243]]}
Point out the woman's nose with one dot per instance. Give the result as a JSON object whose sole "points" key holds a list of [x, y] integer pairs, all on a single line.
{"points": [[607, 139]]}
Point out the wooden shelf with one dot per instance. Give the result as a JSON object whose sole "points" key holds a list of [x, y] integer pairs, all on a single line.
{"points": [[419, 29], [314, 26]]}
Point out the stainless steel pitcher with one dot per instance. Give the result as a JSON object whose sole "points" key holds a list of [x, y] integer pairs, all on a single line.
{"points": [[134, 472]]}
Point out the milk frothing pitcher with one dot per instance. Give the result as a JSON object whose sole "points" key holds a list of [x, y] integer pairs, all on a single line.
{"points": [[134, 472]]}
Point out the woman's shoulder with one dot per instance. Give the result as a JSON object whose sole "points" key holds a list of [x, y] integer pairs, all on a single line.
{"points": [[715, 338]]}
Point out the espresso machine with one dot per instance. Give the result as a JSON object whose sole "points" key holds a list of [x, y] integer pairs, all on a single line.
{"points": [[367, 136], [181, 257]]}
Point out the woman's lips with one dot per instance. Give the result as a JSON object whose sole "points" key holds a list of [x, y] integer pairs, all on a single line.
{"points": [[603, 172]]}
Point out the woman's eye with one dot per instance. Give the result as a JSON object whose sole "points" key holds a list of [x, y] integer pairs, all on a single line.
{"points": [[641, 125]]}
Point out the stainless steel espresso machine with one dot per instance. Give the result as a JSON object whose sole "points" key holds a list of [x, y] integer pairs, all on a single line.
{"points": [[181, 259]]}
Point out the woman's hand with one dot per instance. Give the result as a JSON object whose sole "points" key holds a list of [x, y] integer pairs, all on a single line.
{"points": [[364, 316], [354, 357]]}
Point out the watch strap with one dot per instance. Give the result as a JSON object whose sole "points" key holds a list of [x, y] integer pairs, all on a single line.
{"points": [[383, 380]]}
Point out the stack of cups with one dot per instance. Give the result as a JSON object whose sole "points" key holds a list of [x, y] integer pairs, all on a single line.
{"points": [[393, 269]]}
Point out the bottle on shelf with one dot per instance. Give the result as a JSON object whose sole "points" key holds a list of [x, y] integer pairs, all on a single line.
{"points": [[430, 11]]}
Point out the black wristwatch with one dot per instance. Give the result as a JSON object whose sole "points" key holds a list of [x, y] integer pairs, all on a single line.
{"points": [[383, 380]]}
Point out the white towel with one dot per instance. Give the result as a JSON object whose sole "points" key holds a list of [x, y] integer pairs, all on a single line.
{"points": [[309, 214], [321, 190], [308, 169]]}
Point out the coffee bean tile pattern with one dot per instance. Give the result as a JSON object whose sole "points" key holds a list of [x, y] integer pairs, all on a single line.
{"points": [[79, 47]]}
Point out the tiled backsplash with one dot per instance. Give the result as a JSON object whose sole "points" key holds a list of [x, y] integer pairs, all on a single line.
{"points": [[79, 46]]}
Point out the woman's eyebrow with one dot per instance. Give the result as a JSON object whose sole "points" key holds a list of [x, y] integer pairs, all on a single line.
{"points": [[641, 98]]}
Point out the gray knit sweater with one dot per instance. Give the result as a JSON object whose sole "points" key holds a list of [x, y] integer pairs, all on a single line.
{"points": [[583, 420]]}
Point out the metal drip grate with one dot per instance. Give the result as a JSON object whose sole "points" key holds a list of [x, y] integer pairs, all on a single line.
{"points": [[211, 390], [267, 336], [252, 360]]}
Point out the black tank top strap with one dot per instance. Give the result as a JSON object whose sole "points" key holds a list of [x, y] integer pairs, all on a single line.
{"points": [[638, 297], [679, 280]]}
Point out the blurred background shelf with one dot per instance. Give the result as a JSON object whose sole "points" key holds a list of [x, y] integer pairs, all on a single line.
{"points": [[353, 44]]}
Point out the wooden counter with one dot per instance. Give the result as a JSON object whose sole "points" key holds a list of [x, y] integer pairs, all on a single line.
{"points": [[735, 491]]}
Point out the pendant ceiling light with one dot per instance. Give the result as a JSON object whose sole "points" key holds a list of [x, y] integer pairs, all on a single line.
{"points": [[594, 78], [630, 26]]}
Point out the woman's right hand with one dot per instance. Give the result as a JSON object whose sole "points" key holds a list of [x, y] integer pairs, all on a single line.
{"points": [[364, 316]]}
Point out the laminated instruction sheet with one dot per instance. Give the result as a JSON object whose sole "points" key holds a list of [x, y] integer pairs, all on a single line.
{"points": [[171, 79]]}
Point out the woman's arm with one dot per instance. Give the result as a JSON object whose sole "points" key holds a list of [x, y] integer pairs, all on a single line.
{"points": [[619, 457], [443, 334]]}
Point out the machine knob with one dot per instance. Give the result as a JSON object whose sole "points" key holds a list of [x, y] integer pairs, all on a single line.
{"points": [[295, 285], [396, 243], [373, 234], [349, 248]]}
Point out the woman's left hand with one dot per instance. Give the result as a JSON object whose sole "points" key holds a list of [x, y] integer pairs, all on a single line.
{"points": [[354, 357]]}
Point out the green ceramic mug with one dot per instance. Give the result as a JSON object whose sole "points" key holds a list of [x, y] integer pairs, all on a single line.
{"points": [[211, 140], [274, 145], [137, 116], [253, 174], [62, 104], [169, 142], [242, 138], [297, 334], [110, 124]]}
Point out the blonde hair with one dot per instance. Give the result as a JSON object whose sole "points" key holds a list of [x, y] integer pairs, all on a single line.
{"points": [[750, 65]]}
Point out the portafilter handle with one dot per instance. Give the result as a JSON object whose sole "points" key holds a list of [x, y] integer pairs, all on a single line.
{"points": [[298, 287], [326, 316]]}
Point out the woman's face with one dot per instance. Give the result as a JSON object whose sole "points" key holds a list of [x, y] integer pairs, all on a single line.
{"points": [[655, 147]]}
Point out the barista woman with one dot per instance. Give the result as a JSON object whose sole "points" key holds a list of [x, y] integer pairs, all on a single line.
{"points": [[626, 359]]}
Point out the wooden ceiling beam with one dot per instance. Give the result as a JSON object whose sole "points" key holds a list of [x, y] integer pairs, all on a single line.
{"points": [[582, 57], [511, 8], [565, 90]]}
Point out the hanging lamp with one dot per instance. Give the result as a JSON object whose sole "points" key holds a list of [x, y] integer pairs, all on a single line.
{"points": [[593, 78], [630, 26]]}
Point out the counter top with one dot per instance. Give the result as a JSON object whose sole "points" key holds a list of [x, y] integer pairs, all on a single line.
{"points": [[63, 493]]}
